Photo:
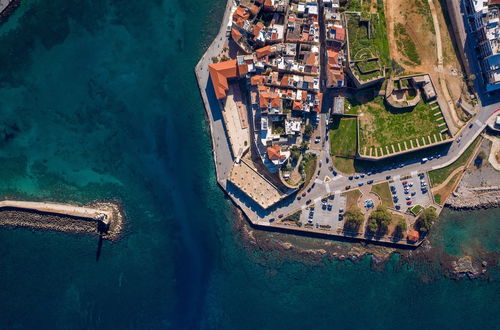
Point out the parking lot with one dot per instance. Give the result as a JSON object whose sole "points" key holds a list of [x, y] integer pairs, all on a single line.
{"points": [[409, 191], [325, 212]]}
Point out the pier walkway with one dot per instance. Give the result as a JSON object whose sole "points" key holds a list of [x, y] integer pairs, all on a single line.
{"points": [[62, 209]]}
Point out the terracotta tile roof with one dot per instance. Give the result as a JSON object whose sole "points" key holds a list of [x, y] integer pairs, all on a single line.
{"points": [[339, 33], [297, 105], [276, 102], [311, 59], [256, 80], [240, 15], [236, 34], [413, 236], [333, 56], [220, 73], [261, 52], [274, 152]]}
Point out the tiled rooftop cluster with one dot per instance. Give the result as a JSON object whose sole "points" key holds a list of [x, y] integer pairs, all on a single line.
{"points": [[281, 40], [335, 41], [484, 21]]}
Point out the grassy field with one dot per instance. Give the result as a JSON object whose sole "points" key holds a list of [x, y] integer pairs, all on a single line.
{"points": [[309, 165], [344, 165], [343, 137], [439, 176], [381, 126], [352, 197], [382, 189], [405, 44]]}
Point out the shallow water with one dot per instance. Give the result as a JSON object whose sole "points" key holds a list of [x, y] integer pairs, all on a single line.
{"points": [[98, 101]]}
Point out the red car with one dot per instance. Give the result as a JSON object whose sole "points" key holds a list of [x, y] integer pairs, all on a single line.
{"points": [[405, 182], [280, 216], [409, 203]]}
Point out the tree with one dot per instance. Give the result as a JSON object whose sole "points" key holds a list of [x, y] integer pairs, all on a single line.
{"points": [[308, 131], [304, 146], [295, 154], [372, 226], [354, 219], [382, 217], [426, 219]]}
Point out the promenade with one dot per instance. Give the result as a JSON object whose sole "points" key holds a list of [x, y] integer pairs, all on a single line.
{"points": [[323, 183]]}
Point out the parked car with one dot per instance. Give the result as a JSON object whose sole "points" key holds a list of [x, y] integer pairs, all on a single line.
{"points": [[360, 184], [308, 201], [388, 177], [327, 159], [350, 177], [347, 187], [329, 207], [398, 207], [304, 194], [409, 203], [299, 198], [405, 183], [413, 193], [356, 177], [369, 181], [318, 139], [362, 175], [334, 173], [272, 219], [341, 217], [408, 198], [280, 216], [323, 206]]}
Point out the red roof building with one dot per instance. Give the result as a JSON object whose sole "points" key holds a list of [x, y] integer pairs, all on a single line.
{"points": [[220, 73], [274, 153], [413, 236]]}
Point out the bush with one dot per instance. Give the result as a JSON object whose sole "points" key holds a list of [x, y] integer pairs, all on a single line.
{"points": [[425, 221], [354, 219]]}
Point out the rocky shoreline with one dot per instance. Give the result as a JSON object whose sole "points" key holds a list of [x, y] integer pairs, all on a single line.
{"points": [[465, 199], [43, 221], [315, 251]]}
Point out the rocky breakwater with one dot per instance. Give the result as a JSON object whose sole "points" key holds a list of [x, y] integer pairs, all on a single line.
{"points": [[67, 218]]}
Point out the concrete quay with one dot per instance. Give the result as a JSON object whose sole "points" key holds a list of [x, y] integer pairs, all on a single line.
{"points": [[322, 184]]}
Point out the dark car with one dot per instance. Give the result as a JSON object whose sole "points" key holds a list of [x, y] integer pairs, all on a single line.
{"points": [[303, 194], [309, 190], [308, 201], [280, 216], [350, 177], [327, 160], [334, 173], [314, 184], [398, 207], [347, 187], [369, 181], [388, 177], [329, 207], [272, 220], [360, 184]]}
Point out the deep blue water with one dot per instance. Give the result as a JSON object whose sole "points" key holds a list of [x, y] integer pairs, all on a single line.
{"points": [[98, 101]]}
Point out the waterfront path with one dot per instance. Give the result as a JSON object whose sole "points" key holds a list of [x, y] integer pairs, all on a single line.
{"points": [[53, 208]]}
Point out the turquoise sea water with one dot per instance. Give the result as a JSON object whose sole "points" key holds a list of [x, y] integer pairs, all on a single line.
{"points": [[98, 101]]}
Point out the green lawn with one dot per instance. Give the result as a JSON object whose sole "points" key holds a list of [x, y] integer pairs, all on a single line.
{"points": [[309, 165], [416, 209], [381, 126], [382, 189], [343, 137], [344, 165], [439, 176]]}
